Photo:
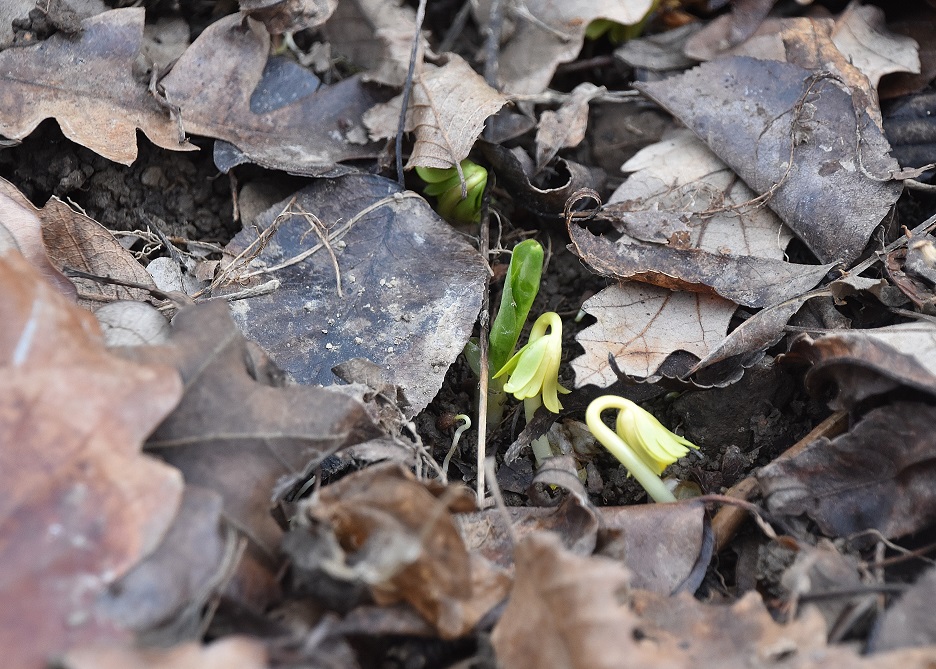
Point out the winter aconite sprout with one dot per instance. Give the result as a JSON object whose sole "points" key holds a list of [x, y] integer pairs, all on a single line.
{"points": [[455, 202], [639, 442], [534, 373]]}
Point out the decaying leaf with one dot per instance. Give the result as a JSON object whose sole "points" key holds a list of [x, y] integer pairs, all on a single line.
{"points": [[80, 505], [564, 127], [861, 34], [231, 652], [863, 363], [747, 280], [545, 197], [547, 33], [635, 535], [375, 35], [398, 536], [87, 85], [76, 241], [909, 621], [447, 110], [758, 115], [682, 195], [287, 16], [22, 220], [410, 286], [877, 476], [572, 612], [237, 435], [640, 325], [302, 129], [728, 30], [181, 572]]}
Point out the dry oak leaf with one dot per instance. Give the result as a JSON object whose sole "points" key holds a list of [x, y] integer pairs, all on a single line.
{"points": [[640, 325], [23, 220], [547, 32], [447, 110], [215, 83], [79, 504], [236, 432], [87, 84]]}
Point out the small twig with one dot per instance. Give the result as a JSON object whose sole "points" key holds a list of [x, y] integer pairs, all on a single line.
{"points": [[407, 89], [489, 465]]}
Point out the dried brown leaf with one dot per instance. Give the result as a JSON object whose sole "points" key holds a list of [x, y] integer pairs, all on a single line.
{"points": [[399, 537], [297, 127], [22, 220], [568, 612], [728, 30], [640, 325], [862, 36], [447, 110], [681, 194], [76, 241], [88, 86], [410, 285], [565, 127], [877, 476], [747, 280], [235, 433], [864, 363], [546, 33], [375, 35], [80, 505], [288, 16], [636, 536], [796, 112]]}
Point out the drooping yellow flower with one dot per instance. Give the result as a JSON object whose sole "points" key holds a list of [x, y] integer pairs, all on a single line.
{"points": [[534, 369], [653, 443], [640, 442]]}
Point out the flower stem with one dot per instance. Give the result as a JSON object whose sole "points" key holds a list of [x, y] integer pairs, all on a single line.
{"points": [[619, 449], [541, 448]]}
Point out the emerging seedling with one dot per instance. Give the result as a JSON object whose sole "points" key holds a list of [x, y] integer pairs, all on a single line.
{"points": [[520, 288], [457, 200], [639, 442], [534, 374]]}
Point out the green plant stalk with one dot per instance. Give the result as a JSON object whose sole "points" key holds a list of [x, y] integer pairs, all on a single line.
{"points": [[520, 289], [541, 448], [625, 455]]}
